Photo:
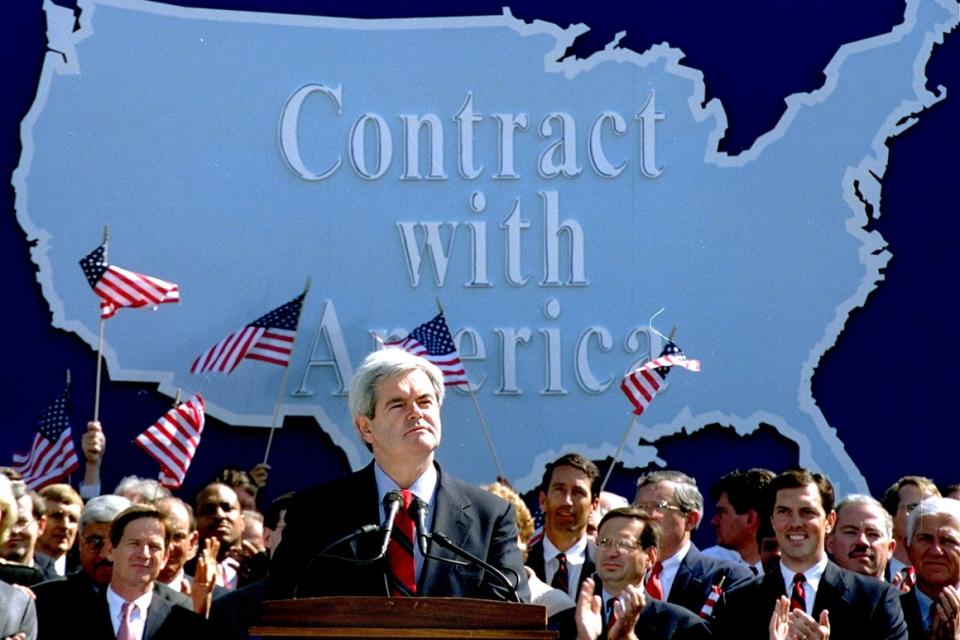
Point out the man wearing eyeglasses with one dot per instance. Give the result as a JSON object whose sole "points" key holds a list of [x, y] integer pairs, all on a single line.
{"points": [[613, 604], [899, 500], [683, 575]]}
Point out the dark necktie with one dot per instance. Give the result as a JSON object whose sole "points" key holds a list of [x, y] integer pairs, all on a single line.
{"points": [[654, 587], [561, 579], [798, 598], [611, 613], [402, 568]]}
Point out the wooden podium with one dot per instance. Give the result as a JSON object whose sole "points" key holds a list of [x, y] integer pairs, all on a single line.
{"points": [[387, 618]]}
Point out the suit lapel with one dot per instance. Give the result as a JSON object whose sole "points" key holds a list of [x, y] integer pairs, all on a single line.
{"points": [[452, 518], [366, 510], [535, 560], [832, 591], [157, 613]]}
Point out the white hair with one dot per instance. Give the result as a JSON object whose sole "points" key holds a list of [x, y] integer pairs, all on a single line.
{"points": [[933, 506]]}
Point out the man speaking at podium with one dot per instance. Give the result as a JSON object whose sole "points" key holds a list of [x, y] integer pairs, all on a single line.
{"points": [[402, 526]]}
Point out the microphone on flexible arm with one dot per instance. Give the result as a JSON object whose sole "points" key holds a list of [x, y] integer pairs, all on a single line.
{"points": [[418, 511], [325, 552], [392, 503]]}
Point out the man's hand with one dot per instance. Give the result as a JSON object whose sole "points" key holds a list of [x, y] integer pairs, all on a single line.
{"points": [[803, 627], [588, 618], [93, 443], [780, 620], [946, 617], [260, 474], [634, 602], [205, 577]]}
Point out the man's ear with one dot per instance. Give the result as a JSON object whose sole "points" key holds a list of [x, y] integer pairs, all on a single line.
{"points": [[362, 423], [831, 521], [108, 551], [693, 519], [543, 500], [41, 524]]}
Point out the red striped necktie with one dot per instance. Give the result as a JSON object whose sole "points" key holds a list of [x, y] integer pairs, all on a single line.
{"points": [[798, 598], [401, 566]]}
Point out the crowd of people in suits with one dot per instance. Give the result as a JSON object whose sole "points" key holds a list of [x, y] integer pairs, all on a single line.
{"points": [[790, 560]]}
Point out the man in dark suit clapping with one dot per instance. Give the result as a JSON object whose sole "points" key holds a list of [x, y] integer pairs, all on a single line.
{"points": [[808, 596]]}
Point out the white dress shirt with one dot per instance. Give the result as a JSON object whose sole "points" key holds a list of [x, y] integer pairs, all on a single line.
{"points": [[138, 613], [576, 556], [811, 581], [670, 567]]}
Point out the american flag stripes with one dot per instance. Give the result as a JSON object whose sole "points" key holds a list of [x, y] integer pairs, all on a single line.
{"points": [[52, 455], [121, 288], [173, 440], [642, 385], [268, 338], [432, 341], [706, 611]]}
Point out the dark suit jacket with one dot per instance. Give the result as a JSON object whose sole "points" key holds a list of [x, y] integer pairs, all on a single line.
{"points": [[536, 562], [911, 614], [62, 602], [21, 574], [698, 573], [859, 607], [44, 564], [476, 520], [660, 621], [232, 614], [165, 620], [17, 613]]}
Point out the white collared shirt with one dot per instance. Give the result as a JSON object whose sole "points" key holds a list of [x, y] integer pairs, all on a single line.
{"points": [[670, 567], [811, 581], [423, 487], [60, 565], [576, 556], [138, 613]]}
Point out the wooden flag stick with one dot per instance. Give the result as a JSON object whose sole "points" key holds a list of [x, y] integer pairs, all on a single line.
{"points": [[286, 375], [96, 397], [616, 456], [483, 423]]}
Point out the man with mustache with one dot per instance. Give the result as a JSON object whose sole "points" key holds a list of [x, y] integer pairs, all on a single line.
{"points": [[862, 539]]}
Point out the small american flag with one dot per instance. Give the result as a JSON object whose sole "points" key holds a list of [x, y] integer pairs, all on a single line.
{"points": [[268, 338], [173, 440], [642, 385], [706, 612], [432, 341], [121, 288], [538, 519], [51, 455]]}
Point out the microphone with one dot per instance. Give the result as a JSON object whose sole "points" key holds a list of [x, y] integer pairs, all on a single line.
{"points": [[418, 513], [392, 503], [492, 571], [325, 552]]}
